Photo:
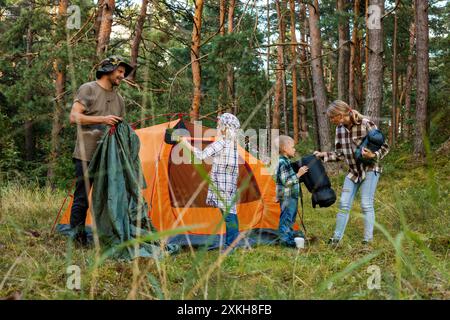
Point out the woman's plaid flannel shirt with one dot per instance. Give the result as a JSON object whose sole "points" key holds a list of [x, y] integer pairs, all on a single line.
{"points": [[224, 173], [347, 141], [287, 182]]}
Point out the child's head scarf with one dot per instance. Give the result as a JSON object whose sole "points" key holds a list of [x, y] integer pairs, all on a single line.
{"points": [[229, 122]]}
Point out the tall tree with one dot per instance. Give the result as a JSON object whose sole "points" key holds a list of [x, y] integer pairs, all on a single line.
{"points": [[28, 125], [281, 67], [304, 74], [320, 95], [222, 93], [294, 72], [137, 38], [269, 101], [230, 68], [374, 95], [278, 99], [355, 79], [104, 33], [60, 82], [409, 81], [195, 60], [344, 50], [422, 77], [98, 18], [394, 122]]}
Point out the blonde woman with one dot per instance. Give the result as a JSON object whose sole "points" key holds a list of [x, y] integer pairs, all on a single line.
{"points": [[351, 129]]}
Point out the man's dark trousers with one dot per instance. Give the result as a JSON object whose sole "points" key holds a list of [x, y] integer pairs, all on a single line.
{"points": [[80, 197]]}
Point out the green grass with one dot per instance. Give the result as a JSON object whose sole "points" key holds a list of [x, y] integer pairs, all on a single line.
{"points": [[411, 250]]}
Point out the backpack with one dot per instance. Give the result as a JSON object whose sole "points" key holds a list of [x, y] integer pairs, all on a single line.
{"points": [[372, 141], [316, 181]]}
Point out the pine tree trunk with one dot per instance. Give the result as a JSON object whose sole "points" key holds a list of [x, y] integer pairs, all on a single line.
{"points": [[278, 99], [137, 38], [344, 50], [195, 61], [28, 125], [355, 61], [303, 74], [409, 81], [60, 81], [269, 101], [320, 96], [294, 72], [422, 77], [374, 97], [230, 68], [222, 8], [105, 27], [98, 19], [394, 123], [366, 47]]}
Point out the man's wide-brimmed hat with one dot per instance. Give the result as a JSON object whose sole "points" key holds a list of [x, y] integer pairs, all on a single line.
{"points": [[110, 64]]}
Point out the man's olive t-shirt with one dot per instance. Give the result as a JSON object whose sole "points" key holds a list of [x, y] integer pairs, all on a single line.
{"points": [[98, 102]]}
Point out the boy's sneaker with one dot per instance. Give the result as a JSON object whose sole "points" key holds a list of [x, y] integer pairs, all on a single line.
{"points": [[224, 250], [366, 242]]}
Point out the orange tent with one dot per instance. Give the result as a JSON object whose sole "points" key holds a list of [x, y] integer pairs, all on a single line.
{"points": [[176, 193]]}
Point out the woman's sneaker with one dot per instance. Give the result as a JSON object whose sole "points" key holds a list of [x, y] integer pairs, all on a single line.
{"points": [[333, 242]]}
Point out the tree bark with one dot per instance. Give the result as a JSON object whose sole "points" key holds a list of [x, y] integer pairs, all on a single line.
{"points": [[230, 68], [269, 101], [374, 98], [137, 38], [409, 81], [278, 100], [355, 62], [422, 77], [366, 47], [105, 27], [303, 74], [98, 19], [195, 62], [344, 51], [28, 126], [294, 73], [320, 96], [60, 81], [222, 8], [394, 123]]}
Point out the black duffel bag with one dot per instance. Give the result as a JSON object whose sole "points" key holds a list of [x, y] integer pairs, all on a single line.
{"points": [[316, 181]]}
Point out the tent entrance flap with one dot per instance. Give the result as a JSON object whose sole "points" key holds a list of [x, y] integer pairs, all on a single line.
{"points": [[185, 182]]}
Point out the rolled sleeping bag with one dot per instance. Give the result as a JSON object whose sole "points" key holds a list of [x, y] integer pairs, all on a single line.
{"points": [[316, 181], [372, 141]]}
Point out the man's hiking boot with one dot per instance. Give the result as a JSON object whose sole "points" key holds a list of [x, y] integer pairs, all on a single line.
{"points": [[81, 239]]}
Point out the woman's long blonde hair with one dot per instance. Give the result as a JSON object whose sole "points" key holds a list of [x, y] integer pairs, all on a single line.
{"points": [[340, 107]]}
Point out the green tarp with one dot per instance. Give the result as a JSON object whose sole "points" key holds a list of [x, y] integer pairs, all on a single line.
{"points": [[118, 207]]}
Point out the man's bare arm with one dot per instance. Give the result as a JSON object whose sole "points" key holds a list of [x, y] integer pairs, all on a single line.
{"points": [[77, 116]]}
